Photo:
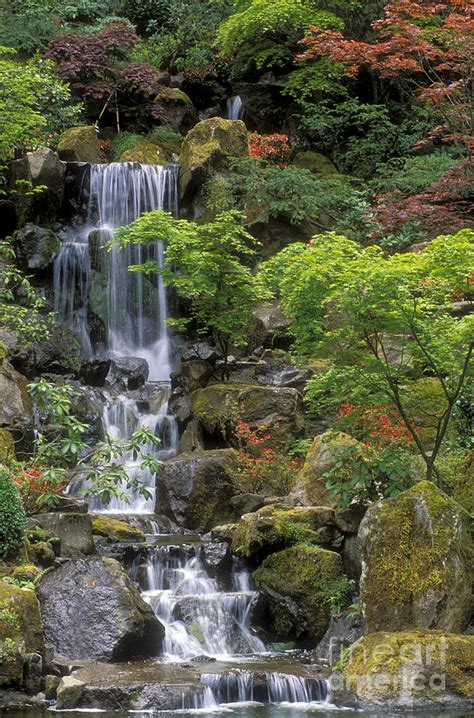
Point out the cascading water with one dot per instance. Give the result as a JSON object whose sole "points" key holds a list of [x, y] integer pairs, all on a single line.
{"points": [[198, 617], [235, 108], [136, 306]]}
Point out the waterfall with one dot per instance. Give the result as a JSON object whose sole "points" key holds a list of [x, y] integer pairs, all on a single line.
{"points": [[235, 108], [246, 686], [198, 617]]}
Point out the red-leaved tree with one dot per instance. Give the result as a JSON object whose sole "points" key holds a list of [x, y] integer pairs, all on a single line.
{"points": [[426, 47]]}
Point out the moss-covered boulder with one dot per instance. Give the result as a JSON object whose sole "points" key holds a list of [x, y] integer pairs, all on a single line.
{"points": [[325, 452], [207, 150], [273, 528], [73, 530], [297, 584], [21, 633], [195, 488], [428, 670], [80, 144], [146, 152], [39, 168], [178, 108], [315, 162], [218, 406], [416, 562], [116, 531]]}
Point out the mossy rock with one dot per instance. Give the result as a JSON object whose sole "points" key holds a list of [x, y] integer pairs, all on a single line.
{"points": [[315, 162], [296, 584], [26, 572], [79, 144], [180, 112], [417, 562], [208, 148], [16, 409], [195, 488], [219, 406], [21, 632], [146, 152], [7, 446], [325, 451], [273, 528], [116, 531], [408, 670]]}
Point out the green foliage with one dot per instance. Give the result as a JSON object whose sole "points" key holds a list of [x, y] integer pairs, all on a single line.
{"points": [[180, 32], [12, 515], [264, 190], [321, 78], [21, 311], [167, 138], [29, 25], [208, 266], [261, 34], [360, 137], [410, 175], [35, 106], [338, 593], [124, 141]]}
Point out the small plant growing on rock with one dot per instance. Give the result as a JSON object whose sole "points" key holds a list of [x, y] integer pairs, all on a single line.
{"points": [[12, 515]]}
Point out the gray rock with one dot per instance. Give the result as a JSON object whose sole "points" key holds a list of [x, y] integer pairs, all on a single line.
{"points": [[94, 371], [60, 353], [247, 503], [201, 350], [342, 632], [33, 672], [37, 246], [195, 489], [269, 326], [16, 410], [42, 167], [90, 609], [217, 558], [131, 372], [352, 557], [74, 530]]}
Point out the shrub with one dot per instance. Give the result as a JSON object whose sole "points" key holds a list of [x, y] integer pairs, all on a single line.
{"points": [[12, 515], [271, 148]]}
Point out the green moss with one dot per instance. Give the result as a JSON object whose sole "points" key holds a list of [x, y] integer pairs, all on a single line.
{"points": [[114, 530], [175, 96], [20, 631], [409, 542], [79, 144], [147, 152], [297, 582], [272, 529], [436, 653], [7, 447], [314, 162]]}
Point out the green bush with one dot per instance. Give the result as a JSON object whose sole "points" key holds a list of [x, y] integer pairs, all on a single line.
{"points": [[12, 515]]}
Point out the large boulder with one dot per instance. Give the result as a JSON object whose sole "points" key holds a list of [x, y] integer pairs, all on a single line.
{"points": [[416, 562], [115, 530], [91, 609], [21, 633], [180, 112], [146, 151], [80, 144], [195, 489], [207, 150], [16, 410], [37, 246], [411, 670], [278, 409], [73, 530], [40, 168], [326, 451], [296, 584], [269, 326], [273, 528]]}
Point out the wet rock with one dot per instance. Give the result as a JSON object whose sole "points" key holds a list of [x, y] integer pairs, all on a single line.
{"points": [[195, 374], [416, 562], [74, 531], [217, 406], [80, 144], [191, 438], [59, 354], [225, 532], [90, 609], [295, 585], [342, 632], [410, 670], [41, 167], [51, 684], [94, 371], [21, 636], [270, 370], [207, 149], [217, 558], [37, 246], [195, 489], [131, 372], [202, 351]]}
